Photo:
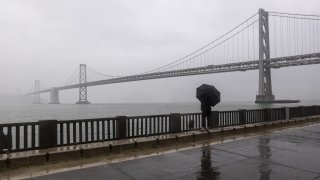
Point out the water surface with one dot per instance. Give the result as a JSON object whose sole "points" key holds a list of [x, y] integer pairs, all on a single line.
{"points": [[35, 112]]}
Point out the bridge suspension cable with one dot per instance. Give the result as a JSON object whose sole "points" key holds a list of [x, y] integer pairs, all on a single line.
{"points": [[205, 51], [241, 42], [100, 73], [94, 75], [294, 14], [293, 34], [73, 78], [213, 51]]}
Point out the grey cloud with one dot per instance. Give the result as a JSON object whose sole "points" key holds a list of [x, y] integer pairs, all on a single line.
{"points": [[47, 40]]}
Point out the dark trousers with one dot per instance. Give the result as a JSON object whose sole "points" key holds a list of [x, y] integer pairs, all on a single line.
{"points": [[205, 114]]}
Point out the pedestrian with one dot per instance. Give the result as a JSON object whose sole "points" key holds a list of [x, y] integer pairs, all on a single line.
{"points": [[206, 112]]}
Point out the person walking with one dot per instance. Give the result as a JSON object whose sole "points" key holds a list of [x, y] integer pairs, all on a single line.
{"points": [[206, 112]]}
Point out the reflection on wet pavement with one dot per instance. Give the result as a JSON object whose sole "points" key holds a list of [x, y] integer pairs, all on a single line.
{"points": [[292, 154], [265, 154], [207, 171]]}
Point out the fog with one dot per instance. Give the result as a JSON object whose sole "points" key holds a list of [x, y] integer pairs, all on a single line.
{"points": [[47, 40]]}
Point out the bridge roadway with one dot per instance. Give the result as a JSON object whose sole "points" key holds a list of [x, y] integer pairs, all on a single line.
{"points": [[298, 60]]}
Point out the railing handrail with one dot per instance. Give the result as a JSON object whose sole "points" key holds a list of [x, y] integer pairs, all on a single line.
{"points": [[196, 113], [19, 124], [87, 120], [148, 116], [230, 111]]}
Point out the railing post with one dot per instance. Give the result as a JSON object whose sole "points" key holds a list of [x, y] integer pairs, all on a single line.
{"points": [[175, 123], [121, 127], [314, 110], [213, 120], [267, 114], [287, 113], [3, 143], [242, 116], [47, 134], [293, 111], [5, 140], [302, 114]]}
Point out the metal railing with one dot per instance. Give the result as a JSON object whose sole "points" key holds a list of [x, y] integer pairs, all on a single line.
{"points": [[138, 126], [15, 137], [85, 131], [190, 121], [19, 136], [228, 118]]}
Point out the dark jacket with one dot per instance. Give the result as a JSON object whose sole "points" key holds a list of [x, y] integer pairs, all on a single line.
{"points": [[205, 107]]}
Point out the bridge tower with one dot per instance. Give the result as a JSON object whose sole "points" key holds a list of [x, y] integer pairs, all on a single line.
{"points": [[265, 87], [83, 87], [37, 95]]}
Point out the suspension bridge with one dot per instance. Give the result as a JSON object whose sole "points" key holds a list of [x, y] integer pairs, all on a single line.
{"points": [[264, 41]]}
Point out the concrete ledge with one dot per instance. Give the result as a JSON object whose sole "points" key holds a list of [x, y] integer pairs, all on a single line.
{"points": [[69, 153]]}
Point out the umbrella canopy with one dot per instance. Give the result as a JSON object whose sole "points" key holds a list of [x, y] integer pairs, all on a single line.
{"points": [[208, 94]]}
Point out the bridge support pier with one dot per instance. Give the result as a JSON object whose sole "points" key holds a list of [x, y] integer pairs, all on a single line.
{"points": [[37, 95], [54, 96]]}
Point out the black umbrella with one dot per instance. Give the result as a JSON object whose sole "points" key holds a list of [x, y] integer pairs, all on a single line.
{"points": [[208, 94]]}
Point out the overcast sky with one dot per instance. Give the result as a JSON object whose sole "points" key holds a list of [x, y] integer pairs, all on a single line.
{"points": [[48, 39]]}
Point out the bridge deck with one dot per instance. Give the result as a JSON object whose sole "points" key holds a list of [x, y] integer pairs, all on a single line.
{"points": [[298, 60]]}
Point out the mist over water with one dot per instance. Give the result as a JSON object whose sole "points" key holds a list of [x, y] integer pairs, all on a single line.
{"points": [[34, 112]]}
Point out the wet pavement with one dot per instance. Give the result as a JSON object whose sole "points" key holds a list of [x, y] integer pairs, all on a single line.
{"points": [[291, 154]]}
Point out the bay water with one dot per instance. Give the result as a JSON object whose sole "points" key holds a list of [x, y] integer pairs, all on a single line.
{"points": [[35, 112]]}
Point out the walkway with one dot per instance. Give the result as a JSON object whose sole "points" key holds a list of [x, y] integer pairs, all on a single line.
{"points": [[291, 154]]}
